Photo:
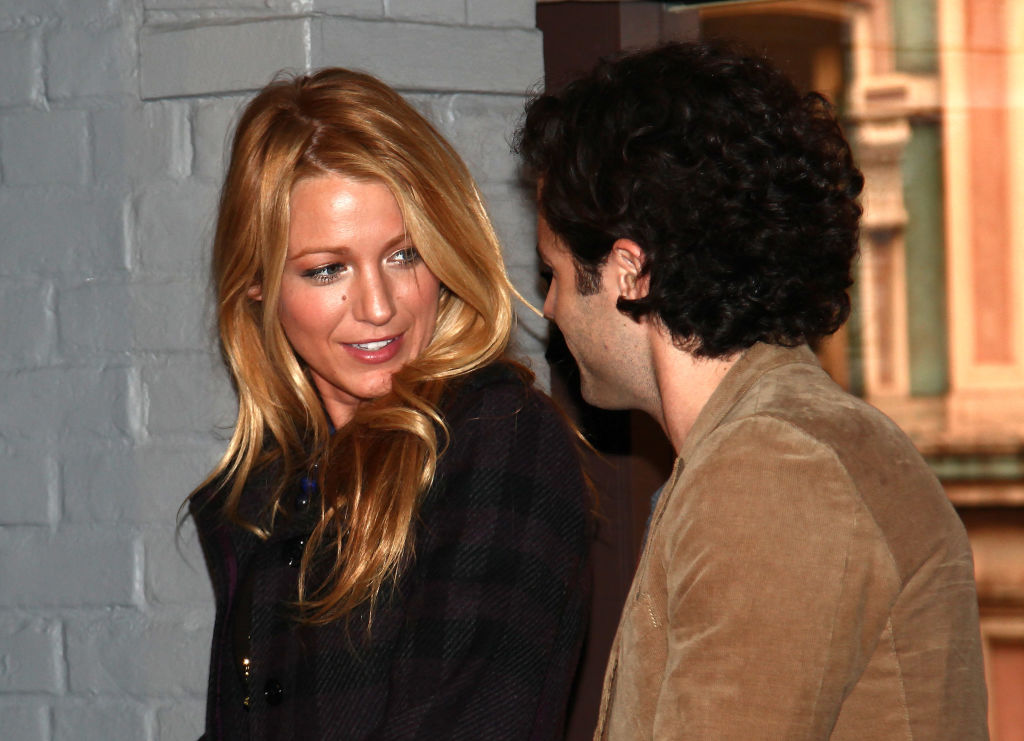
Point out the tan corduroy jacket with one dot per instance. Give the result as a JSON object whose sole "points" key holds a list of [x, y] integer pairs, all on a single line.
{"points": [[804, 577]]}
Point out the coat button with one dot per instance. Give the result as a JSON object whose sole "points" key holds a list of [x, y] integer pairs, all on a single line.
{"points": [[307, 487], [305, 493], [292, 550], [273, 692]]}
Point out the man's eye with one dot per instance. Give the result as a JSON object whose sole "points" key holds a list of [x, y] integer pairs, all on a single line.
{"points": [[546, 275]]}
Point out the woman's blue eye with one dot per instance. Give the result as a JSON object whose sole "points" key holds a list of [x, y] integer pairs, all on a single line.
{"points": [[324, 273], [406, 255]]}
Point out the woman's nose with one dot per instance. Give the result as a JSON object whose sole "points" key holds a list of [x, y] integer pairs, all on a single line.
{"points": [[375, 303]]}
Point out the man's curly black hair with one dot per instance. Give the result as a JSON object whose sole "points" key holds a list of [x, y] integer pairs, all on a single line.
{"points": [[741, 192]]}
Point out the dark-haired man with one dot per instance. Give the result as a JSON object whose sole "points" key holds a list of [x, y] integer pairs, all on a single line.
{"points": [[804, 575]]}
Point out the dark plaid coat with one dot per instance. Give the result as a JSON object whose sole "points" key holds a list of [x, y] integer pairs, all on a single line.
{"points": [[482, 636]]}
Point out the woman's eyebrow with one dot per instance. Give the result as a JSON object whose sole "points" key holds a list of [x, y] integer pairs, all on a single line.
{"points": [[343, 250]]}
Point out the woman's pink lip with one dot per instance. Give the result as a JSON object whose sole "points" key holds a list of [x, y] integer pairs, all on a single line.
{"points": [[373, 357]]}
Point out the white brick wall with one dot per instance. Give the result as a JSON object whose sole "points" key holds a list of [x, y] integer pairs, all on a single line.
{"points": [[114, 115]]}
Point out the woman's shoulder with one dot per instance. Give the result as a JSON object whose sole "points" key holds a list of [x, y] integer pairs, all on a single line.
{"points": [[497, 416], [500, 390], [509, 448], [206, 503], [207, 497], [500, 373]]}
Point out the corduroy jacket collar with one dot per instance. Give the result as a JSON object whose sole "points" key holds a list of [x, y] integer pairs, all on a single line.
{"points": [[752, 364]]}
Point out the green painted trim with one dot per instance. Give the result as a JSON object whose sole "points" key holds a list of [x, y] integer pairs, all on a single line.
{"points": [[855, 338], [1007, 467], [854, 325], [915, 36], [927, 331]]}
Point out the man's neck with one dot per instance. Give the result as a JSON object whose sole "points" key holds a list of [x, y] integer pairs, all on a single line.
{"points": [[685, 383]]}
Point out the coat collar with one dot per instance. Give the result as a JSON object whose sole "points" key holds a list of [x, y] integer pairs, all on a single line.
{"points": [[755, 362]]}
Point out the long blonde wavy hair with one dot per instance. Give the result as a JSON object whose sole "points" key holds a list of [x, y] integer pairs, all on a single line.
{"points": [[374, 471]]}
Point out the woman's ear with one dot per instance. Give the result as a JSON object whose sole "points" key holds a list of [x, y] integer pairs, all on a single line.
{"points": [[627, 261], [255, 292]]}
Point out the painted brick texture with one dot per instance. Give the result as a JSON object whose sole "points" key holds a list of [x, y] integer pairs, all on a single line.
{"points": [[114, 120]]}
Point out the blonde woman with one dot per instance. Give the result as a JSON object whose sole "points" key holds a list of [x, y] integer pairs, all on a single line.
{"points": [[397, 532]]}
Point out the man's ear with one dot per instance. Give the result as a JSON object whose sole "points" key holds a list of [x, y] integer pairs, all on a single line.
{"points": [[255, 292], [627, 260]]}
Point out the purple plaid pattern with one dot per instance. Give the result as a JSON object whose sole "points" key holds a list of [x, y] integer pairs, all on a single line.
{"points": [[481, 636]]}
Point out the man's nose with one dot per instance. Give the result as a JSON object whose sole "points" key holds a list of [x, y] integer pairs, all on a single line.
{"points": [[549, 304]]}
